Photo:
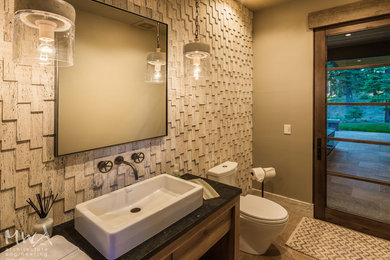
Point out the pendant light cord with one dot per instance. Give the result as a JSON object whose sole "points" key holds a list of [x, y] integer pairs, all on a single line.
{"points": [[197, 20], [158, 35]]}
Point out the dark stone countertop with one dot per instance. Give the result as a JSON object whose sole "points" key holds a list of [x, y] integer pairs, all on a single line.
{"points": [[153, 245]]}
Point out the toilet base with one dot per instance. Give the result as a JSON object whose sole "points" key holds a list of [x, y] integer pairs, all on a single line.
{"points": [[256, 238], [247, 248]]}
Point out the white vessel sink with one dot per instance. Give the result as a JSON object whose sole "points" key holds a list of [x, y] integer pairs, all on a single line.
{"points": [[108, 223]]}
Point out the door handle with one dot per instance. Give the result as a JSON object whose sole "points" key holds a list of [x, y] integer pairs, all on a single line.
{"points": [[319, 149]]}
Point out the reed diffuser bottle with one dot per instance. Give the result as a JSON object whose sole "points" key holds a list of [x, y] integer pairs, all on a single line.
{"points": [[44, 224]]}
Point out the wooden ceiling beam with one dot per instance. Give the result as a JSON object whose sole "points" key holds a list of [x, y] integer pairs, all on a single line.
{"points": [[350, 12]]}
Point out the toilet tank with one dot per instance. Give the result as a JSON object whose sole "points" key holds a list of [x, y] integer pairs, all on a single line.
{"points": [[225, 172]]}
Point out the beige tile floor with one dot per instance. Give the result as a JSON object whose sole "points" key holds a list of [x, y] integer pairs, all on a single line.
{"points": [[278, 249]]}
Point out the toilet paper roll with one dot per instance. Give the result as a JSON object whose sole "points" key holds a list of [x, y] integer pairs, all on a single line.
{"points": [[258, 174], [269, 173]]}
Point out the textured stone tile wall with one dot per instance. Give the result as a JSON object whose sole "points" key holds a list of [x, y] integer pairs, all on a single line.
{"points": [[207, 124]]}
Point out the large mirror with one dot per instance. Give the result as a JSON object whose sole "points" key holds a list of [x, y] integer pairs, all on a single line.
{"points": [[106, 98]]}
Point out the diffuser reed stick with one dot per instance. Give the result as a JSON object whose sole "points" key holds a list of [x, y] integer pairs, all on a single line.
{"points": [[44, 204]]}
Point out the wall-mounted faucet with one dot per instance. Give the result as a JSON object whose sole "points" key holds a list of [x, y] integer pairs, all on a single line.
{"points": [[119, 160]]}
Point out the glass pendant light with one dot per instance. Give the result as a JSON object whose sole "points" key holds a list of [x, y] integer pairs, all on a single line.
{"points": [[156, 63], [44, 32], [196, 54]]}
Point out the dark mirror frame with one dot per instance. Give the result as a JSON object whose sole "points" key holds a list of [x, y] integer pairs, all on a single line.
{"points": [[57, 89]]}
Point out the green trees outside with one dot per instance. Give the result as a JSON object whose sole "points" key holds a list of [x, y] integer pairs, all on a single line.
{"points": [[345, 84], [354, 113], [360, 85]]}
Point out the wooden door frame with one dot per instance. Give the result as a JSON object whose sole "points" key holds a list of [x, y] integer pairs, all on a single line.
{"points": [[362, 224]]}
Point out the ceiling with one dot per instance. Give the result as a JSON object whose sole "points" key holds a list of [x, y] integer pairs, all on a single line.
{"points": [[360, 37], [354, 46], [260, 4]]}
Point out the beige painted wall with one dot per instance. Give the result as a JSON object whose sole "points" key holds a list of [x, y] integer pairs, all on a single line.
{"points": [[283, 94]]}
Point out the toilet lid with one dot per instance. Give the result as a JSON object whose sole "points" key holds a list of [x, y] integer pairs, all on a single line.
{"points": [[261, 208]]}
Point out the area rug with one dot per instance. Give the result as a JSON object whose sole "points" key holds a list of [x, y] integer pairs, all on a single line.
{"points": [[323, 240]]}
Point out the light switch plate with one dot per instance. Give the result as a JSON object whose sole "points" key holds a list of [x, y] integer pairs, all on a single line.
{"points": [[287, 129]]}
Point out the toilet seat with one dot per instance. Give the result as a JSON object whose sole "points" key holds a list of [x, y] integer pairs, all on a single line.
{"points": [[257, 209]]}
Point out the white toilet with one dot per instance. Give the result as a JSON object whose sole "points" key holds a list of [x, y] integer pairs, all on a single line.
{"points": [[261, 220]]}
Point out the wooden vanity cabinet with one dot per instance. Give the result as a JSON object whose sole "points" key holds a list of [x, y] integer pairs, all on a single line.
{"points": [[216, 237]]}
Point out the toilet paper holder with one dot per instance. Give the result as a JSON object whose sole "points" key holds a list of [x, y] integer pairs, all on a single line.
{"points": [[262, 189], [261, 174], [262, 186]]}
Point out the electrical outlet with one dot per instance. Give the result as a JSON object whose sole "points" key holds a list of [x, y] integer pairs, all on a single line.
{"points": [[287, 129]]}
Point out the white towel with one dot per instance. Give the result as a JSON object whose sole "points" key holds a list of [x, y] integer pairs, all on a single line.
{"points": [[43, 247], [208, 191]]}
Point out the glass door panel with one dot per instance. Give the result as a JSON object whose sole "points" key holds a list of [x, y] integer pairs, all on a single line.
{"points": [[360, 198], [363, 122], [367, 161], [353, 120]]}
